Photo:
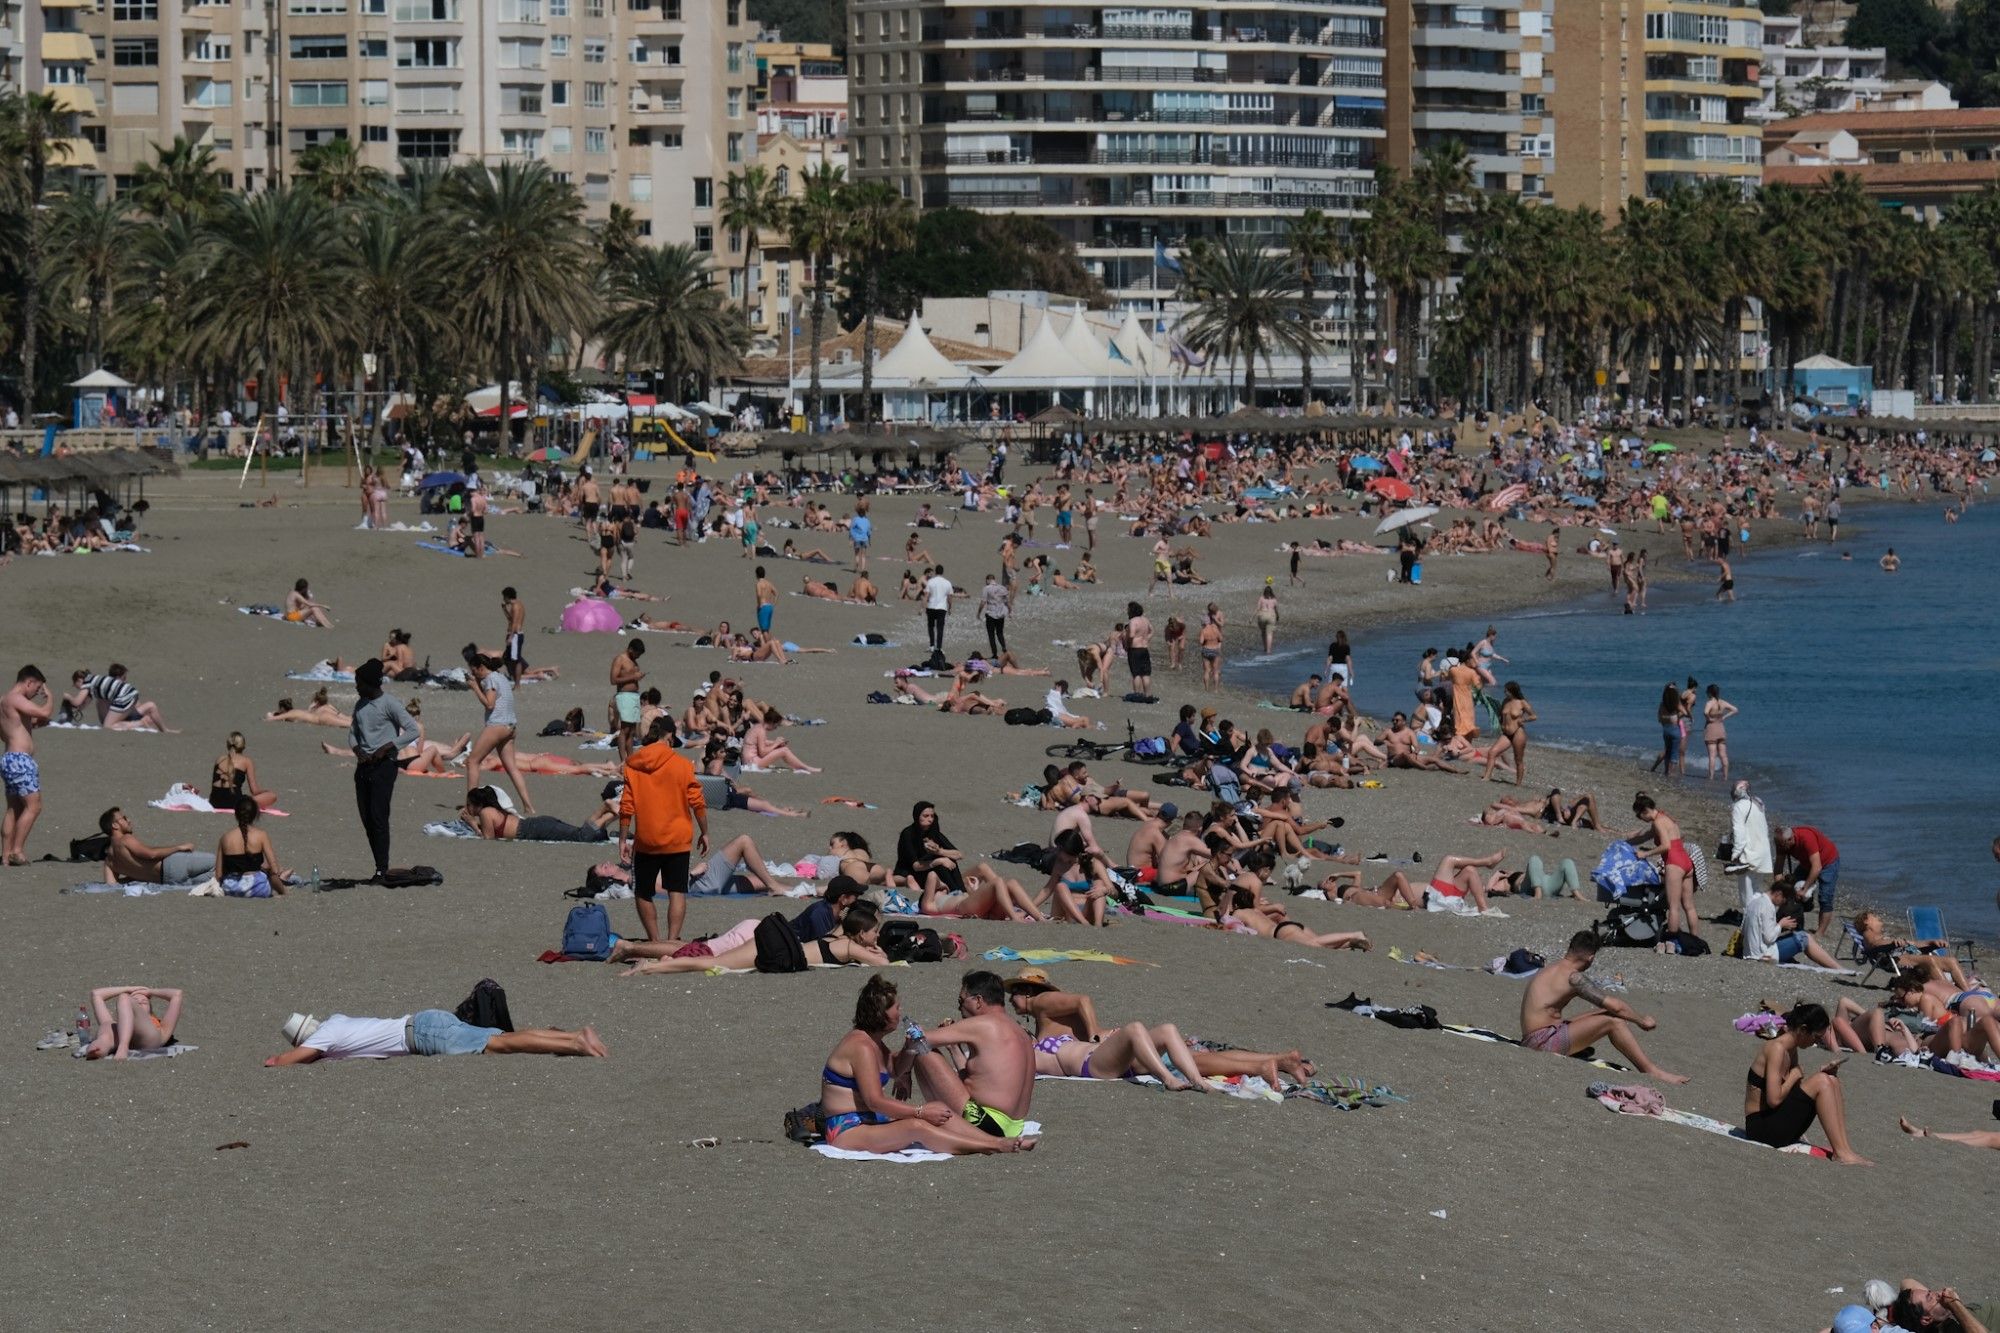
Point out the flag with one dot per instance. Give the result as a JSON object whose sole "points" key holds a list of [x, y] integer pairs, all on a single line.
{"points": [[1116, 355], [1161, 259]]}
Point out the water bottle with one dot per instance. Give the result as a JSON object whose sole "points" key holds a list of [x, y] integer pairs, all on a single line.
{"points": [[314, 882], [83, 1026]]}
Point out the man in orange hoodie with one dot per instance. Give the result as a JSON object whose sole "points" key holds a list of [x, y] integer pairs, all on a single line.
{"points": [[663, 797]]}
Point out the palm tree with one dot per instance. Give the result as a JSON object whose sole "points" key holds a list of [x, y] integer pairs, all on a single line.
{"points": [[1243, 306], [816, 226], [275, 286], [91, 240], [33, 130], [519, 262], [395, 296], [1314, 239], [752, 203], [665, 313], [880, 223], [150, 313], [618, 235], [182, 180], [335, 172]]}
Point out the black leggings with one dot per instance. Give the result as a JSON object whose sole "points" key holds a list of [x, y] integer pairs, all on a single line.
{"points": [[996, 636], [374, 788], [934, 625]]}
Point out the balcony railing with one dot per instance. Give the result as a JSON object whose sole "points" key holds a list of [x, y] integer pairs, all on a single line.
{"points": [[1112, 157], [1137, 200], [1329, 118]]}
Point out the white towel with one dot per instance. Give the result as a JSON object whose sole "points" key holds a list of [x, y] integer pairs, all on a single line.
{"points": [[1029, 1130]]}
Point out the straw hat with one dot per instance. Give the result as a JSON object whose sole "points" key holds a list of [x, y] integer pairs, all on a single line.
{"points": [[300, 1026], [1030, 978]]}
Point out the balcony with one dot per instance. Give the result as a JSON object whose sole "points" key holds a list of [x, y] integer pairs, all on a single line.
{"points": [[1061, 195], [648, 110], [1112, 157]]}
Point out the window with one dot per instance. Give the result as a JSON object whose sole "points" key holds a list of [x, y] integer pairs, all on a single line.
{"points": [[784, 282], [559, 93], [527, 143], [373, 7], [520, 11], [558, 9], [426, 11], [210, 92], [673, 53], [593, 94], [734, 60], [704, 238], [59, 74], [373, 48], [1533, 104], [319, 48], [426, 143], [596, 189], [670, 139], [374, 134], [300, 140], [326, 93], [646, 227], [670, 10], [427, 99], [515, 101], [593, 9], [704, 192], [518, 54], [316, 7], [735, 103], [735, 13], [639, 189], [595, 141], [211, 49], [736, 242], [135, 52], [375, 92], [735, 148], [427, 53], [559, 47], [560, 141], [135, 11], [135, 99], [594, 51]]}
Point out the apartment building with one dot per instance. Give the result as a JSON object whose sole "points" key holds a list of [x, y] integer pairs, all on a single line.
{"points": [[1800, 78], [46, 49], [801, 126], [1455, 74], [1704, 63], [1123, 128], [645, 103]]}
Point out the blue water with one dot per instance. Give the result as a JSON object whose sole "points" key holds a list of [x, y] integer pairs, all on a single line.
{"points": [[1866, 697]]}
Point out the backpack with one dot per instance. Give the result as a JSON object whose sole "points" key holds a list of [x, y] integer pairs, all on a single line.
{"points": [[803, 1125], [93, 848], [1023, 717], [907, 942], [1149, 747], [587, 932], [411, 877], [778, 947], [1686, 944], [486, 1007]]}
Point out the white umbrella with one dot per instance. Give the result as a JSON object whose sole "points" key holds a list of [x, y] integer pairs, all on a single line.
{"points": [[1403, 518]]}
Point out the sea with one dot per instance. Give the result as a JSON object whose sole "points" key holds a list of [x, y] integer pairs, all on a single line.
{"points": [[1864, 695]]}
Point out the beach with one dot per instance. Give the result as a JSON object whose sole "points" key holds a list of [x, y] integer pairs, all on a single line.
{"points": [[457, 1193]]}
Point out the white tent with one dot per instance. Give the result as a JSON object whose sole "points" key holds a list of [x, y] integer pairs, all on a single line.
{"points": [[913, 358], [1043, 363], [1141, 355], [1822, 361], [1083, 345], [100, 379]]}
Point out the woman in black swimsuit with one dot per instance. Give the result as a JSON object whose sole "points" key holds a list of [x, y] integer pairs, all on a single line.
{"points": [[1781, 1101], [235, 777], [244, 856]]}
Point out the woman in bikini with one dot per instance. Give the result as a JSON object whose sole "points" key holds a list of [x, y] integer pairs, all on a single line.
{"points": [[245, 860], [1079, 881], [988, 896], [762, 749], [1515, 715], [859, 1106], [1780, 1101], [301, 609], [1065, 1017], [1715, 712], [132, 1025], [318, 713], [493, 821], [398, 661], [852, 858], [860, 930], [235, 777]]}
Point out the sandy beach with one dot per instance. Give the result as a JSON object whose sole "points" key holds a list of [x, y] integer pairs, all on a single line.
{"points": [[525, 1192]]}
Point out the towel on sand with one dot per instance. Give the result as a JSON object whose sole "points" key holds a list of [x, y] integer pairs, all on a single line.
{"points": [[1041, 956], [450, 828], [441, 549], [185, 800], [1029, 1130], [131, 890], [322, 674], [167, 1052], [276, 613], [1634, 1101]]}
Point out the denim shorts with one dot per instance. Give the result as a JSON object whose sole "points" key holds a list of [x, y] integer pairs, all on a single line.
{"points": [[436, 1032], [1829, 884], [1791, 946]]}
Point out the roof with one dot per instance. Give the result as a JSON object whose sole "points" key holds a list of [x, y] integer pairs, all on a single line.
{"points": [[1888, 175], [914, 358], [1965, 120], [1082, 344], [775, 368], [95, 468], [1822, 361], [1044, 360]]}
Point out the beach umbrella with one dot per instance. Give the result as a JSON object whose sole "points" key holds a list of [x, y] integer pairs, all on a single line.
{"points": [[587, 615], [1391, 489], [1367, 464], [436, 479], [1581, 501], [1987, 457], [552, 454], [1661, 448], [1403, 518], [1503, 499]]}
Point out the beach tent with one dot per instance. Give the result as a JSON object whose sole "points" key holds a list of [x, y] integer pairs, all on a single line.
{"points": [[1366, 464], [1043, 363], [914, 360], [1391, 489], [1078, 341], [100, 379]]}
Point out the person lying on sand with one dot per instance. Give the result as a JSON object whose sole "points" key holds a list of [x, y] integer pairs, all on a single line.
{"points": [[988, 896], [1975, 1139], [1565, 980], [857, 1109], [426, 1032], [483, 812], [860, 934], [129, 860], [318, 713], [817, 922], [1270, 920], [132, 1025]]}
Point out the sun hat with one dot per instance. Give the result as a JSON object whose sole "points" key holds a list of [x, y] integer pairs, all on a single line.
{"points": [[1030, 978], [300, 1026]]}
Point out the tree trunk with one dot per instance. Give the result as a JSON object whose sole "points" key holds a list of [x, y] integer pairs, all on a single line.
{"points": [[868, 345], [821, 263], [1306, 293], [1982, 353], [31, 293], [749, 303], [1356, 363], [1899, 365]]}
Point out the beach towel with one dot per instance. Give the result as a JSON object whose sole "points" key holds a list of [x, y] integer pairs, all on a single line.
{"points": [[166, 1052], [132, 890], [276, 613], [1029, 1130], [321, 674], [450, 828], [398, 526], [182, 799], [673, 627], [1245, 1088], [1457, 905], [1040, 957], [441, 549], [1620, 870], [127, 547], [1625, 1102]]}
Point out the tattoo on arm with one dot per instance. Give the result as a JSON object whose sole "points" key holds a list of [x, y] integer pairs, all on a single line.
{"points": [[1586, 990]]}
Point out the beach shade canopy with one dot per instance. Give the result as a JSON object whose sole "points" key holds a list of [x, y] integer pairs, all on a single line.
{"points": [[552, 454], [1661, 448], [1367, 464], [1403, 518], [587, 615], [100, 379], [1391, 489], [1581, 501], [435, 480], [1987, 456]]}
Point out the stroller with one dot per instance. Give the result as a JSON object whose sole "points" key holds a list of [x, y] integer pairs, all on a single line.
{"points": [[1636, 921]]}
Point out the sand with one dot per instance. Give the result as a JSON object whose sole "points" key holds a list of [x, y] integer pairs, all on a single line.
{"points": [[526, 1191]]}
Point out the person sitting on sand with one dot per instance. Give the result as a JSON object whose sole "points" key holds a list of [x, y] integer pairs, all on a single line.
{"points": [[1065, 1019], [1563, 981], [1057, 702], [1781, 1101], [862, 1088], [990, 1075], [318, 712], [1399, 742], [426, 1032], [763, 749], [245, 860], [301, 609], [863, 589], [484, 813], [1079, 881], [762, 647], [235, 776], [860, 934], [1774, 929], [127, 860], [119, 707], [132, 1025]]}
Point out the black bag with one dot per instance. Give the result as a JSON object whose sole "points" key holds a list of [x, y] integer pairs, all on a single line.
{"points": [[778, 947], [486, 1007], [1025, 717], [93, 848], [803, 1125], [1685, 944], [411, 877], [907, 942]]}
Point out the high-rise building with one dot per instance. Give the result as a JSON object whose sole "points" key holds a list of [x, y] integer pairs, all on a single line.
{"points": [[1455, 76], [1703, 62], [644, 103], [1123, 128], [1800, 78], [801, 127]]}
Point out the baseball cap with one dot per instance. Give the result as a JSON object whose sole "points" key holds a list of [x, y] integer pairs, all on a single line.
{"points": [[1169, 812]]}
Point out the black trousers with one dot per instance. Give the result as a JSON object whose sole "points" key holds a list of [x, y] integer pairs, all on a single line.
{"points": [[934, 624], [374, 787], [996, 636]]}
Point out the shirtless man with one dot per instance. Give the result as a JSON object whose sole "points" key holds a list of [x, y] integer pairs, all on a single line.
{"points": [[1677, 867], [477, 506], [587, 500], [1550, 991], [1306, 697], [516, 612], [1182, 857], [1139, 648], [825, 592], [992, 1083], [130, 861], [625, 678], [1399, 742], [23, 708], [1149, 840], [767, 601], [1725, 581], [863, 589]]}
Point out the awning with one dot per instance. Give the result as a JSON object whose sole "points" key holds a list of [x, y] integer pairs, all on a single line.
{"points": [[74, 153], [67, 46], [74, 99]]}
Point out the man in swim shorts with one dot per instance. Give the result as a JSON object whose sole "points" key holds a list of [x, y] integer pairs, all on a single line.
{"points": [[1812, 861], [1139, 648], [991, 1074], [23, 708], [130, 861], [625, 678], [515, 656], [767, 601], [1550, 991]]}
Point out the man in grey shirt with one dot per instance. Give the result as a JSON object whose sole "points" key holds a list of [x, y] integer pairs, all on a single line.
{"points": [[994, 602], [380, 730]]}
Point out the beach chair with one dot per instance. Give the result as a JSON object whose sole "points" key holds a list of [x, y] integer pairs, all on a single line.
{"points": [[1880, 959], [1927, 923]]}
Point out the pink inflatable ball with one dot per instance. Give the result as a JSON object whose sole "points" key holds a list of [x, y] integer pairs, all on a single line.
{"points": [[588, 615]]}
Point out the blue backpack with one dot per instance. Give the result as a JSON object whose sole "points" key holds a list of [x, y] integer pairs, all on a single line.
{"points": [[587, 933], [1149, 747]]}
